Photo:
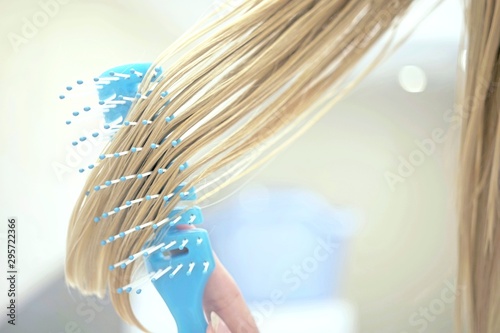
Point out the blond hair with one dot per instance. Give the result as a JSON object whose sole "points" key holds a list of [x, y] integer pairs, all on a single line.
{"points": [[478, 310], [237, 88]]}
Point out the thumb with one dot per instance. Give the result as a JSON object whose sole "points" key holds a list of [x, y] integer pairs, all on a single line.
{"points": [[216, 325]]}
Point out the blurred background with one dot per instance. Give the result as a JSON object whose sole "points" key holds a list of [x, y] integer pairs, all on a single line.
{"points": [[355, 220]]}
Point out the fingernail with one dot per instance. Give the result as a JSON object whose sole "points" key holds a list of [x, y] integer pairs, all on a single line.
{"points": [[215, 320]]}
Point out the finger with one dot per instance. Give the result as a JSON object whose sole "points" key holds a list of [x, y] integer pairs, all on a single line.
{"points": [[217, 325], [223, 297]]}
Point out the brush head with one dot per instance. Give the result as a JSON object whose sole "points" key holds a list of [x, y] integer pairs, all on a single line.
{"points": [[117, 90]]}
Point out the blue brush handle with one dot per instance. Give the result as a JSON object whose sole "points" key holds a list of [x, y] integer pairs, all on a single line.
{"points": [[188, 315], [183, 293]]}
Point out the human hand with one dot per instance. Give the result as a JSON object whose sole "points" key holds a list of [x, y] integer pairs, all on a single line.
{"points": [[224, 304]]}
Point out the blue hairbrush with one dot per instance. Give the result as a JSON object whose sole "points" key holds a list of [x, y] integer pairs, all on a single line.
{"points": [[179, 260]]}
